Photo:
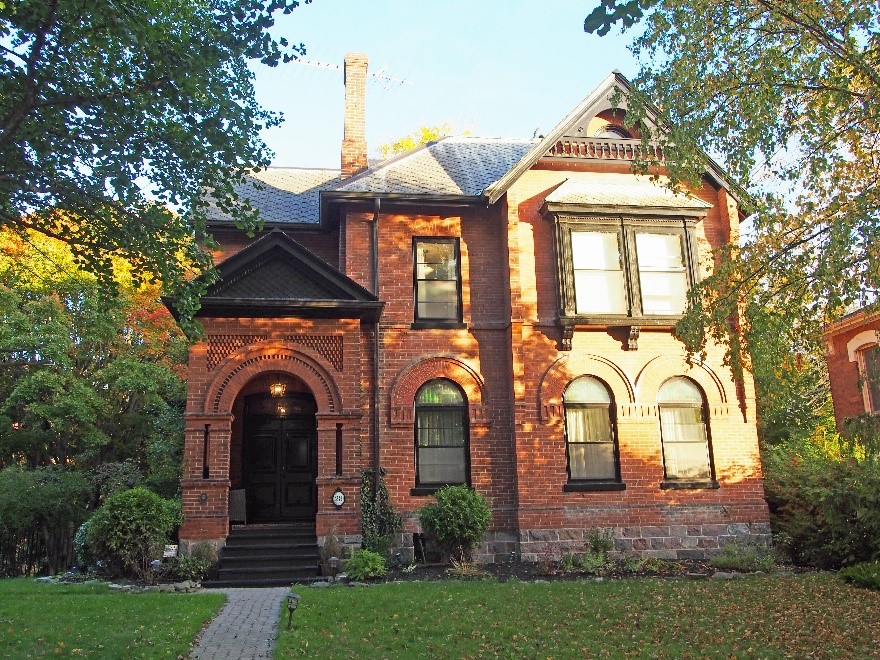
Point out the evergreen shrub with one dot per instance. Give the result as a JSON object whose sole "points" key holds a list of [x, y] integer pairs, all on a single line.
{"points": [[365, 564], [130, 530], [456, 521]]}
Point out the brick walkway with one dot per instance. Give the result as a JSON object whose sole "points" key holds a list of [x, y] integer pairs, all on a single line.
{"points": [[246, 626]]}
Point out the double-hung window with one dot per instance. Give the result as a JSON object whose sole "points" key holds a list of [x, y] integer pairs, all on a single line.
{"points": [[687, 456], [590, 436], [869, 365], [624, 271], [441, 435], [437, 280]]}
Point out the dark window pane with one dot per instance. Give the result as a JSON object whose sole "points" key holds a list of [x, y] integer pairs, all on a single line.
{"points": [[871, 362], [441, 433], [437, 280]]}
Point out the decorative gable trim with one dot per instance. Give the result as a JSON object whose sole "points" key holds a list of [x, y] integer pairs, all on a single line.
{"points": [[277, 277]]}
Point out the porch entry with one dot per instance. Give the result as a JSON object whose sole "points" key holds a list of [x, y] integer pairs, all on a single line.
{"points": [[280, 457]]}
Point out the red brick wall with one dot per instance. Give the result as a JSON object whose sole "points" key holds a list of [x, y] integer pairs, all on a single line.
{"points": [[684, 521], [325, 357], [324, 244], [507, 361], [843, 340]]}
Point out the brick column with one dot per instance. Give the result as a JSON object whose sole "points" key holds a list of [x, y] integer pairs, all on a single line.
{"points": [[206, 494]]}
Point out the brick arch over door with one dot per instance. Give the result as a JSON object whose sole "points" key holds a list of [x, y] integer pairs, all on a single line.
{"points": [[661, 368], [239, 369], [408, 382], [569, 367]]}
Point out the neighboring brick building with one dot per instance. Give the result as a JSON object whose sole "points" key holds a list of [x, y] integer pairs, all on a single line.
{"points": [[853, 360], [496, 312]]}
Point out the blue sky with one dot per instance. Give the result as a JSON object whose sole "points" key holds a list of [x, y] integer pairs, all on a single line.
{"points": [[499, 69]]}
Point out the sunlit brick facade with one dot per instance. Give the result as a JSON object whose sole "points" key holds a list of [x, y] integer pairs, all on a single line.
{"points": [[493, 352]]}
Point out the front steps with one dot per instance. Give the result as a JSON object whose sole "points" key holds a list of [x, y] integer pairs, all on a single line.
{"points": [[268, 556]]}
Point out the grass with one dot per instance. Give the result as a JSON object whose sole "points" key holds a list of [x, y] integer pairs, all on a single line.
{"points": [[813, 615], [38, 620]]}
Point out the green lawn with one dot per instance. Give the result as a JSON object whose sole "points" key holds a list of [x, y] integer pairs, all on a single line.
{"points": [[811, 615], [38, 620]]}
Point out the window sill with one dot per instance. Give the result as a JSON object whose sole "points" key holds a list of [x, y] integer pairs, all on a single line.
{"points": [[590, 486], [438, 325], [671, 484]]}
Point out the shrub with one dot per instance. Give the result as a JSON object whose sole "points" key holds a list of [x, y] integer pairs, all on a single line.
{"points": [[600, 540], [457, 520], [45, 503], [130, 530], [379, 520], [825, 502], [191, 567], [332, 548], [743, 558], [366, 564], [866, 574]]}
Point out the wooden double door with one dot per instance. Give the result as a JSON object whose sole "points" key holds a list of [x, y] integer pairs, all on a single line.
{"points": [[280, 458]]}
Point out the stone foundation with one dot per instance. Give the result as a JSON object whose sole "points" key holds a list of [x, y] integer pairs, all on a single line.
{"points": [[661, 542]]}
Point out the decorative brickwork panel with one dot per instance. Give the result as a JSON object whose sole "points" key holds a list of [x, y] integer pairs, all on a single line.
{"points": [[222, 346], [328, 347]]}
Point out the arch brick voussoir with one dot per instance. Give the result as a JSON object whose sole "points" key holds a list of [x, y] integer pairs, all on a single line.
{"points": [[241, 368], [569, 367], [408, 382], [661, 368]]}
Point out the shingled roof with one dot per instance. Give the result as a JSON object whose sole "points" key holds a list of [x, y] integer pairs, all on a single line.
{"points": [[458, 166], [287, 195]]}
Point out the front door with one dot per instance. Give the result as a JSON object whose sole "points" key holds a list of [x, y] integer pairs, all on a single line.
{"points": [[280, 458]]}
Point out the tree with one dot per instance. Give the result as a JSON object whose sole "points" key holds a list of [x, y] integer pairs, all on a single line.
{"points": [[422, 135], [786, 94], [114, 113], [85, 379]]}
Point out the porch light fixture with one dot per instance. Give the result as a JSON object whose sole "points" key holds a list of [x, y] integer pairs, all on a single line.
{"points": [[292, 603], [277, 389]]}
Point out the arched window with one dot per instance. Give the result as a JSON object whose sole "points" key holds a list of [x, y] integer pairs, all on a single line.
{"points": [[869, 368], [441, 434], [683, 431], [589, 432]]}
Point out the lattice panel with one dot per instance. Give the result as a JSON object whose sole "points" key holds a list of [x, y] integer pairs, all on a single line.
{"points": [[327, 346], [221, 346]]}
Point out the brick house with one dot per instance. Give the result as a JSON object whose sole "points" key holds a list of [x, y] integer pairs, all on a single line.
{"points": [[853, 359], [494, 312]]}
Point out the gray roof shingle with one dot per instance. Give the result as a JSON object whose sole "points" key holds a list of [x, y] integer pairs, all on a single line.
{"points": [[461, 166], [288, 195]]}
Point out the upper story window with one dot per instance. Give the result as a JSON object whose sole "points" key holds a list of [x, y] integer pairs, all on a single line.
{"points": [[441, 434], [684, 435], [437, 280], [869, 367], [613, 271], [590, 436]]}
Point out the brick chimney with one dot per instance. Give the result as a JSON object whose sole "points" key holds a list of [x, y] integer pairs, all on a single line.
{"points": [[354, 138]]}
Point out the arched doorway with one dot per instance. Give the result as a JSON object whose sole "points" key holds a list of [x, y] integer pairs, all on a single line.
{"points": [[280, 456]]}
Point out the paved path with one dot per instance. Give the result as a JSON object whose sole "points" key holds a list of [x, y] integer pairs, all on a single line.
{"points": [[246, 626]]}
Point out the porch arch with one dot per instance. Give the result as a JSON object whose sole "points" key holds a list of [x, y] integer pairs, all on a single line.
{"points": [[241, 368]]}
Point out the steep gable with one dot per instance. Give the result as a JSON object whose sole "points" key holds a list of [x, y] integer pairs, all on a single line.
{"points": [[275, 276]]}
